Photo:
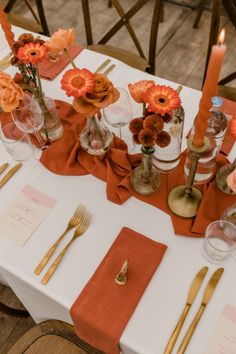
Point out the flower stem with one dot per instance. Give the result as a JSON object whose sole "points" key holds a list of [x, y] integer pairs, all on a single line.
{"points": [[67, 53], [144, 108]]}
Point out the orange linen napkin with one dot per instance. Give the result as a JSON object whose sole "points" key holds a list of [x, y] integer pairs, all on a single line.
{"points": [[49, 69], [66, 158], [104, 308]]}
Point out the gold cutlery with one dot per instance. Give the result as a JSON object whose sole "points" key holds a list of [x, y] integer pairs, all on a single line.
{"points": [[193, 291], [103, 65], [73, 222], [108, 70], [9, 174], [6, 61], [79, 231], [3, 167], [206, 298]]}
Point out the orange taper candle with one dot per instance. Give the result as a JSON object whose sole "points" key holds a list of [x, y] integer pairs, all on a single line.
{"points": [[209, 90], [6, 27]]}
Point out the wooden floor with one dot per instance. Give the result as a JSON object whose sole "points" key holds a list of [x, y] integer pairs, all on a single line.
{"points": [[180, 57]]}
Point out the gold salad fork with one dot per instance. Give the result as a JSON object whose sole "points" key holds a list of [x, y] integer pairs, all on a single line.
{"points": [[73, 222], [79, 231]]}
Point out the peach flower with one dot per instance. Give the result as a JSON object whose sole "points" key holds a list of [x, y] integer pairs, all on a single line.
{"points": [[32, 53], [10, 93], [104, 93], [231, 180], [62, 39], [139, 88]]}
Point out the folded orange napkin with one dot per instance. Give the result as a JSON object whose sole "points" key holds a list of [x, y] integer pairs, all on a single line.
{"points": [[49, 69], [65, 157], [104, 308]]}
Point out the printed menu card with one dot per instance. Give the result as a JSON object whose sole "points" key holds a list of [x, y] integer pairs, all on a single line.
{"points": [[24, 214], [223, 339]]}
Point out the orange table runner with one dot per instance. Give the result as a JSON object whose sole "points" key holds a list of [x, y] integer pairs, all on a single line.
{"points": [[103, 308]]}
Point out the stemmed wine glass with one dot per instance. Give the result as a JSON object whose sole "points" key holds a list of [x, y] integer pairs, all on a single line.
{"points": [[119, 113], [29, 118]]}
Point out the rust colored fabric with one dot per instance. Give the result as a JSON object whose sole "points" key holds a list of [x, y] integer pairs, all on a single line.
{"points": [[49, 69], [101, 323], [65, 157]]}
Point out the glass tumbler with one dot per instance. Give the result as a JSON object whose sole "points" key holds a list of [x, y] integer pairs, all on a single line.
{"points": [[219, 242]]}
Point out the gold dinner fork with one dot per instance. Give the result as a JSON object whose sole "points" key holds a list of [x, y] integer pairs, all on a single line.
{"points": [[73, 222], [79, 231]]}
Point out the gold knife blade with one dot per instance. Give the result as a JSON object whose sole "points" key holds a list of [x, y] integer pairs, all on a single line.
{"points": [[106, 72], [3, 167], [9, 174], [193, 291], [208, 292]]}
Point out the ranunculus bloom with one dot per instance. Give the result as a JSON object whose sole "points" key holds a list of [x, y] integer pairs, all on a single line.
{"points": [[147, 137], [154, 121], [78, 82], [233, 126], [32, 53], [163, 139], [104, 93], [231, 180], [10, 93], [137, 90], [136, 125], [161, 99], [62, 39]]}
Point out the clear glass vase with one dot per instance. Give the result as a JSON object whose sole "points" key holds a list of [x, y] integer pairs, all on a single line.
{"points": [[221, 178], [145, 178], [52, 129], [167, 158], [95, 138]]}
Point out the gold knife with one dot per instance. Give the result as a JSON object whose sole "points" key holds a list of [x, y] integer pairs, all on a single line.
{"points": [[103, 65], [9, 174], [193, 291], [3, 167], [106, 72], [206, 298]]}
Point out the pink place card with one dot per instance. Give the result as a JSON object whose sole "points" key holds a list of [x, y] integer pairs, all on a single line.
{"points": [[223, 339], [21, 218]]}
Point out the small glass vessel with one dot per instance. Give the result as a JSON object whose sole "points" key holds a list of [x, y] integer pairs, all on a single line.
{"points": [[167, 158], [145, 178], [221, 178], [95, 138]]}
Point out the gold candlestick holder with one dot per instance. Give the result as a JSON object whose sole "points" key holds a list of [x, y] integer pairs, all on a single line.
{"points": [[184, 200]]}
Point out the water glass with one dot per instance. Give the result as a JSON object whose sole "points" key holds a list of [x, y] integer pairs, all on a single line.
{"points": [[16, 142], [219, 242]]}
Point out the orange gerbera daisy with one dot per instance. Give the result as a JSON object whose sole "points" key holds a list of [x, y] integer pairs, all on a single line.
{"points": [[154, 121], [147, 137], [32, 53], [161, 99], [136, 125], [163, 139], [78, 82]]}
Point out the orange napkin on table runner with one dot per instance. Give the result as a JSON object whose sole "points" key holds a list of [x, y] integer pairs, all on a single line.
{"points": [[103, 308], [49, 69], [66, 158]]}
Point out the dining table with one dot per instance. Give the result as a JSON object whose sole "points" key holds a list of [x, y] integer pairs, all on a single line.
{"points": [[156, 315]]}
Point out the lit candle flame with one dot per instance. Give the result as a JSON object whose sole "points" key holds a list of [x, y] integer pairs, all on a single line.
{"points": [[221, 36]]}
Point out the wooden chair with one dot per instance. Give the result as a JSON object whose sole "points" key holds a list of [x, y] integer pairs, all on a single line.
{"points": [[39, 24], [138, 61], [52, 337]]}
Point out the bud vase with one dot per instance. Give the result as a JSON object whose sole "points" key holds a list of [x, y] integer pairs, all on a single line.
{"points": [[221, 178], [53, 128], [95, 138], [145, 179]]}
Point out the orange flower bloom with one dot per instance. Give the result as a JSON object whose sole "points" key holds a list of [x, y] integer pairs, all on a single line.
{"points": [[26, 38], [136, 125], [139, 88], [154, 121], [163, 139], [78, 82], [231, 181], [147, 137], [10, 93], [233, 126], [61, 39], [102, 95], [161, 99], [32, 53]]}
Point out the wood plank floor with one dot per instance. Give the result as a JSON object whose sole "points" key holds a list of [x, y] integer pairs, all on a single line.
{"points": [[180, 57]]}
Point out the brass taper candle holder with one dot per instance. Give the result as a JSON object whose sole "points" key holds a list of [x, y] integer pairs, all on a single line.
{"points": [[184, 200]]}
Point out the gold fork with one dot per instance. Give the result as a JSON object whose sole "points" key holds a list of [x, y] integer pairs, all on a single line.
{"points": [[73, 222], [79, 231]]}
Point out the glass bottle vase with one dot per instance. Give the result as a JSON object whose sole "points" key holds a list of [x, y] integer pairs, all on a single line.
{"points": [[221, 178], [145, 178], [95, 138]]}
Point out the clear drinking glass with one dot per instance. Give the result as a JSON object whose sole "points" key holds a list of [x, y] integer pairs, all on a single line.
{"points": [[16, 142], [219, 242]]}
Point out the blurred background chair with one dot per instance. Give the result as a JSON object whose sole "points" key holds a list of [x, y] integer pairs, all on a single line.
{"points": [[138, 61], [51, 337], [39, 24]]}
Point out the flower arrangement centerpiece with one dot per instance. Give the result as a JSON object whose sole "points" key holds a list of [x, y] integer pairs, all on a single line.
{"points": [[148, 130], [226, 175], [28, 53], [91, 92]]}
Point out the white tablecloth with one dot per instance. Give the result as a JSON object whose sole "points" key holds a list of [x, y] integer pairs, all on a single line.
{"points": [[156, 314]]}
